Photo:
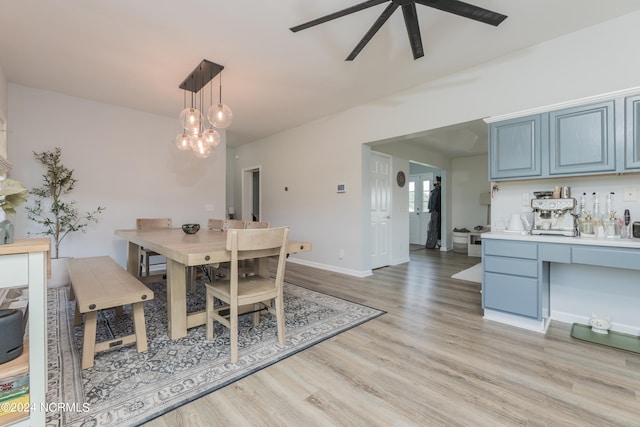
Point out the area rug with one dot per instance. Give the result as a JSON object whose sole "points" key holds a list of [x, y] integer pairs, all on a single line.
{"points": [[472, 274], [126, 388]]}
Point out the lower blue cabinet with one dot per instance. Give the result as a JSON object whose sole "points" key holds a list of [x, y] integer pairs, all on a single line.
{"points": [[511, 294], [513, 278]]}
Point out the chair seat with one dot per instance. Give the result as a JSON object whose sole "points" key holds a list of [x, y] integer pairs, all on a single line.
{"points": [[250, 289]]}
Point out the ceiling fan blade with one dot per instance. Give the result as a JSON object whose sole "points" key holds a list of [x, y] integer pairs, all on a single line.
{"points": [[372, 31], [466, 10], [413, 29], [356, 8]]}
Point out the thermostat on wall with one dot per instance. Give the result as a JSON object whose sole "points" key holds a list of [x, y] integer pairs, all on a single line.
{"points": [[341, 188]]}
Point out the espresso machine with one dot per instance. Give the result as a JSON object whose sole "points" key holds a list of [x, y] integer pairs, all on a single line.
{"points": [[553, 216]]}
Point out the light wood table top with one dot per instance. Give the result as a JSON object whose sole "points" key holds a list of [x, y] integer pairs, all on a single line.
{"points": [[184, 250]]}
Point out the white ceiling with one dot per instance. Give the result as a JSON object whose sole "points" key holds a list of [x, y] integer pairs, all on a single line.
{"points": [[136, 53]]}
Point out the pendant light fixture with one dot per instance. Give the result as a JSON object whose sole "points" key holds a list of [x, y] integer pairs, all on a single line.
{"points": [[220, 115], [194, 136]]}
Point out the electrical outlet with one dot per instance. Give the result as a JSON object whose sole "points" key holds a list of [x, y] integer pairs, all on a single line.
{"points": [[630, 194]]}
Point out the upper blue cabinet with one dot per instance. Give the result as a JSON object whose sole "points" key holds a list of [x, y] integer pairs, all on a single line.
{"points": [[598, 138], [632, 139], [516, 148], [582, 139]]}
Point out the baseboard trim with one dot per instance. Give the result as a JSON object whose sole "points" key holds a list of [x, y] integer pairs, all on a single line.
{"points": [[518, 321], [347, 271], [571, 318]]}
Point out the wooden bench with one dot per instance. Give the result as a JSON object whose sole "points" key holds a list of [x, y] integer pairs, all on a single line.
{"points": [[98, 283]]}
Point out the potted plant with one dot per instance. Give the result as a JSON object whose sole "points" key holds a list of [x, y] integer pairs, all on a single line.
{"points": [[12, 194], [58, 216]]}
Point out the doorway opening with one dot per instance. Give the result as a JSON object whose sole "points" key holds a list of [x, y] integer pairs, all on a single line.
{"points": [[422, 181], [251, 196]]}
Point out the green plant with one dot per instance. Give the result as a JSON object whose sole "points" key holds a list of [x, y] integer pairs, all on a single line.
{"points": [[62, 217], [12, 195]]}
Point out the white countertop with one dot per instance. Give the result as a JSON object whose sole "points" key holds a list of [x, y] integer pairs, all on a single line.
{"points": [[620, 243]]}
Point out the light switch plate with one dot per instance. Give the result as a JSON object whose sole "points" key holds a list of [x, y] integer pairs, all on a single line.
{"points": [[630, 194]]}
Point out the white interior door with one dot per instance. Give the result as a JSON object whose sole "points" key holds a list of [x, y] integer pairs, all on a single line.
{"points": [[380, 179], [419, 189]]}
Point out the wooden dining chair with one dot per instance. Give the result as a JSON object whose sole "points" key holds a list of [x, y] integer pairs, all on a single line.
{"points": [[215, 224], [261, 292], [146, 254], [212, 271]]}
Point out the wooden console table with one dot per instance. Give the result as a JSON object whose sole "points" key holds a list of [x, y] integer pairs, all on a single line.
{"points": [[24, 263]]}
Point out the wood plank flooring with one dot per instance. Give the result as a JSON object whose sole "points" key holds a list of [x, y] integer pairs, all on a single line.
{"points": [[430, 361]]}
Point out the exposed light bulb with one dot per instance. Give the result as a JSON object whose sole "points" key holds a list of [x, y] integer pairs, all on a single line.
{"points": [[211, 137], [183, 141], [203, 151], [220, 115], [196, 143], [190, 119]]}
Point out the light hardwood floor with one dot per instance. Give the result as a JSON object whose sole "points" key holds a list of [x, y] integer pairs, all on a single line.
{"points": [[430, 361]]}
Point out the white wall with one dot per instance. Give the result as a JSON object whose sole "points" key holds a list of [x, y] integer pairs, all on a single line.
{"points": [[3, 92], [123, 159], [311, 168], [314, 157], [3, 111], [469, 178]]}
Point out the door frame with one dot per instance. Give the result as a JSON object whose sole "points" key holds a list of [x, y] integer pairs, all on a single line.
{"points": [[422, 232]]}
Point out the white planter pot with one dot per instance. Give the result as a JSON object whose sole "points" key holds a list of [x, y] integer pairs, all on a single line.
{"points": [[59, 273]]}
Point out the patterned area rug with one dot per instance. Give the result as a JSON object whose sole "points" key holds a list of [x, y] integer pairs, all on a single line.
{"points": [[127, 388]]}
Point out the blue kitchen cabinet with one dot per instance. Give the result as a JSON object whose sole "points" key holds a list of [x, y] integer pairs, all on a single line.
{"points": [[515, 148], [582, 139], [514, 280], [632, 138]]}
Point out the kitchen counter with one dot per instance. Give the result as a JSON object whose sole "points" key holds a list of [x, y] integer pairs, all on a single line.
{"points": [[618, 243], [529, 279]]}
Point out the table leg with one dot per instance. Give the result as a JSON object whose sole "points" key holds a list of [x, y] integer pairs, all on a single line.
{"points": [[132, 259], [176, 299], [133, 264]]}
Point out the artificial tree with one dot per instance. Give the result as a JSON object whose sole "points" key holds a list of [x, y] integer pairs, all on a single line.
{"points": [[59, 217]]}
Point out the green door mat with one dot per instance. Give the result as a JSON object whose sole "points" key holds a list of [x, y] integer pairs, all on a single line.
{"points": [[612, 339]]}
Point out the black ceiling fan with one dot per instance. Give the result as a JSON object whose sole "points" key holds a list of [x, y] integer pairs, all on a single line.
{"points": [[460, 8]]}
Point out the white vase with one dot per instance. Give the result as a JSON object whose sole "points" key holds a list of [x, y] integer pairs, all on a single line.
{"points": [[59, 273]]}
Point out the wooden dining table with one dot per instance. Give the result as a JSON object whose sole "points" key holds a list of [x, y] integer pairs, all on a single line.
{"points": [[187, 250]]}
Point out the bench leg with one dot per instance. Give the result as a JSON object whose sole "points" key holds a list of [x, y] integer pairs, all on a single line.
{"points": [[72, 296], [139, 327], [89, 340]]}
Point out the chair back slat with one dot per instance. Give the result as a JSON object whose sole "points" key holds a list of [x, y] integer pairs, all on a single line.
{"points": [[257, 239], [233, 224]]}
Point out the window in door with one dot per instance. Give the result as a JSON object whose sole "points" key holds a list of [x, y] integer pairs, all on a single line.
{"points": [[412, 196], [426, 187]]}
